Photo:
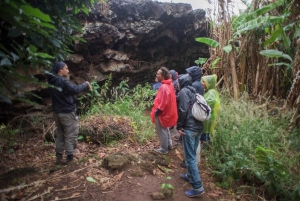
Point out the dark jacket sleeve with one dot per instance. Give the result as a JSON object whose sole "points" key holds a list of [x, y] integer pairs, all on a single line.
{"points": [[185, 118], [183, 108], [73, 89]]}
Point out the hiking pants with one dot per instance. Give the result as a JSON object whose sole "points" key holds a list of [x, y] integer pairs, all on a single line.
{"points": [[67, 132]]}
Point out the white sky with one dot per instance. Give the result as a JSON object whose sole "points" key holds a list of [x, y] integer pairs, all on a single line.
{"points": [[204, 4]]}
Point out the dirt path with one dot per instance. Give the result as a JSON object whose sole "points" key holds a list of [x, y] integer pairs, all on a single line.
{"points": [[28, 173]]}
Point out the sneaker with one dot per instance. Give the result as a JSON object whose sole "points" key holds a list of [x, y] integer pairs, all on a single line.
{"points": [[184, 177], [193, 193], [161, 151]]}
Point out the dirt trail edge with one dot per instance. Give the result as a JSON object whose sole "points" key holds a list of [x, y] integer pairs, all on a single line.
{"points": [[28, 173]]}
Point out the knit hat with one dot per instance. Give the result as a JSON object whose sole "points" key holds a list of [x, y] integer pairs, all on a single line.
{"points": [[57, 66]]}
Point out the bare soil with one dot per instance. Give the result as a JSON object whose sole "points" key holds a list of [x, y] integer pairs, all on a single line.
{"points": [[29, 173]]}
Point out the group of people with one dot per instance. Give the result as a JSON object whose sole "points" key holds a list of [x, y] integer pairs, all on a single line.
{"points": [[172, 107]]}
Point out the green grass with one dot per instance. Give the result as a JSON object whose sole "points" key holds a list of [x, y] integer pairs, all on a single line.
{"points": [[122, 101], [249, 145]]}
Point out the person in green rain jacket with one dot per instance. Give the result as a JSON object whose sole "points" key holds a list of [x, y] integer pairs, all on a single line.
{"points": [[212, 98]]}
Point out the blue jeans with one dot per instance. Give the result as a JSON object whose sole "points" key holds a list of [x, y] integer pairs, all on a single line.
{"points": [[191, 141]]}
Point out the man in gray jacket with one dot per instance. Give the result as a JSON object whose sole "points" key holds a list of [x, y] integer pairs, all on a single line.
{"points": [[64, 108], [191, 130]]}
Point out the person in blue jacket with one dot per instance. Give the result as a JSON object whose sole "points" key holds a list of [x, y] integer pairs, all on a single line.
{"points": [[196, 74], [64, 109], [156, 84]]}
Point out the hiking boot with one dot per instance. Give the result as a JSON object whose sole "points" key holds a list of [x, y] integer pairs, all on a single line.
{"points": [[183, 165], [170, 147], [69, 158], [59, 159], [184, 177], [194, 193], [161, 151]]}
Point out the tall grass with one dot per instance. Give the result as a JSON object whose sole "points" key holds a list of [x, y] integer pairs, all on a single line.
{"points": [[123, 101], [254, 148]]}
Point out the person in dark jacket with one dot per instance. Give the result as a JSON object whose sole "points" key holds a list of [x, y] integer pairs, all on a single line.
{"points": [[191, 130], [196, 74], [64, 109], [174, 76]]}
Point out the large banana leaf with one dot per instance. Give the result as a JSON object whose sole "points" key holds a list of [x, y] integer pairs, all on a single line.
{"points": [[264, 10], [275, 53], [243, 20], [208, 41]]}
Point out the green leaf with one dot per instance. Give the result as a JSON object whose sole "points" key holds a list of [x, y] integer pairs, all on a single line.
{"points": [[90, 179], [215, 62], [32, 48], [275, 53], [297, 32], [44, 24], [208, 41], [79, 39], [55, 42], [289, 66], [169, 186], [36, 13], [44, 55], [163, 185], [85, 10], [286, 40], [227, 48], [80, 137], [168, 177], [264, 10], [273, 37]]}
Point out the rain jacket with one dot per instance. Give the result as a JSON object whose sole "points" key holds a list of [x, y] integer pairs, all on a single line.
{"points": [[213, 100], [185, 99], [156, 85], [175, 80], [196, 74], [165, 101], [63, 100]]}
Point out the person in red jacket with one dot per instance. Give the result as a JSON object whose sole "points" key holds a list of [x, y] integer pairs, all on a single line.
{"points": [[164, 110]]}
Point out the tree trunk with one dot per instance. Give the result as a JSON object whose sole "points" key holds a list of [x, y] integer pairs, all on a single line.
{"points": [[234, 76]]}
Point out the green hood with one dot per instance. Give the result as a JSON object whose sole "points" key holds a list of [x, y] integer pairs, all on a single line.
{"points": [[210, 81]]}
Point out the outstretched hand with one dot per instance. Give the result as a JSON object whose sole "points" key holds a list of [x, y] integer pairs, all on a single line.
{"points": [[90, 86]]}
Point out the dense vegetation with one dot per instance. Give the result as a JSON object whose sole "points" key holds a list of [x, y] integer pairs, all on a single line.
{"points": [[253, 152], [33, 34], [257, 51]]}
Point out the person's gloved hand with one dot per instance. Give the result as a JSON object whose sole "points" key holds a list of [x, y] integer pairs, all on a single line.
{"points": [[157, 112]]}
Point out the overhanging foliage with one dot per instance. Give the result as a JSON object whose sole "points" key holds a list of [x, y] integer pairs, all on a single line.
{"points": [[33, 34]]}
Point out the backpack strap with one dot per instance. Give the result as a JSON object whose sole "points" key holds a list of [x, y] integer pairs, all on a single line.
{"points": [[192, 89]]}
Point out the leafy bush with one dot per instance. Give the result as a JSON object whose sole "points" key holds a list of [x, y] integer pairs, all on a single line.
{"points": [[38, 33], [250, 146]]}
